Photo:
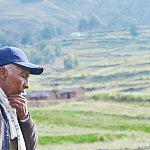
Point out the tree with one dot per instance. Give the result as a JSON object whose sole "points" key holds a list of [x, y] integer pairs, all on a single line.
{"points": [[83, 24], [94, 23], [26, 38], [58, 50], [76, 61], [5, 41], [42, 56], [34, 55], [59, 31], [48, 55], [133, 30], [70, 62], [48, 32]]}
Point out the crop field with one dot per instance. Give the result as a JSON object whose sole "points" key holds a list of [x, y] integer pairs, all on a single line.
{"points": [[108, 62], [92, 124]]}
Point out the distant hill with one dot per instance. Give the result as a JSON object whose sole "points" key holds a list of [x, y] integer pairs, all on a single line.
{"points": [[20, 15]]}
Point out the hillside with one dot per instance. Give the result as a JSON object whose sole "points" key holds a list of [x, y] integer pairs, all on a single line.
{"points": [[113, 61], [110, 58], [65, 14]]}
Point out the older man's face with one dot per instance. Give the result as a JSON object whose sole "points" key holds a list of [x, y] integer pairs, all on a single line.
{"points": [[17, 80]]}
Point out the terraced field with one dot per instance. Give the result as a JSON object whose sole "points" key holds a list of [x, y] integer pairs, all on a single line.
{"points": [[109, 61]]}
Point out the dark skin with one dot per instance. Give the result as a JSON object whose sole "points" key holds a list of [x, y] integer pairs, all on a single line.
{"points": [[14, 81], [18, 102]]}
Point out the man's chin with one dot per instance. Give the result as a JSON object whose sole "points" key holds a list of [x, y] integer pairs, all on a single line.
{"points": [[17, 93]]}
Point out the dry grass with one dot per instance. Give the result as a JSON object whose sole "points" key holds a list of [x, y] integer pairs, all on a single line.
{"points": [[67, 120]]}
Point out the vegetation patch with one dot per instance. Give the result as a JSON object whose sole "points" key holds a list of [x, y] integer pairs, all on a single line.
{"points": [[90, 122], [121, 97], [78, 139]]}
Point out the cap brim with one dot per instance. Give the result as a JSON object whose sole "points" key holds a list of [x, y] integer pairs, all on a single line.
{"points": [[34, 69]]}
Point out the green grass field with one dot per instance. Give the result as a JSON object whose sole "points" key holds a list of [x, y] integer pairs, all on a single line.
{"points": [[93, 124]]}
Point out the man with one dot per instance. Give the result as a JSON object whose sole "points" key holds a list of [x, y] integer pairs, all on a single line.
{"points": [[17, 130]]}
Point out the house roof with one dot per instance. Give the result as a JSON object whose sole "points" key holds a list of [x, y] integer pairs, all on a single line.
{"points": [[39, 93], [70, 90]]}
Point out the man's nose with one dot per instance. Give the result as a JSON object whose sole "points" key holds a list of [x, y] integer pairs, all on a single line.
{"points": [[26, 84]]}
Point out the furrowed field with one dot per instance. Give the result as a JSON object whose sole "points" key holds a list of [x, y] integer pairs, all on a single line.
{"points": [[92, 124]]}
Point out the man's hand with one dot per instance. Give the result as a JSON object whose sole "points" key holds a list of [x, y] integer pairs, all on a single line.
{"points": [[19, 102]]}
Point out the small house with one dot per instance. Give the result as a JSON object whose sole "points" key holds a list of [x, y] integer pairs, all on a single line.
{"points": [[42, 95], [72, 92], [75, 34]]}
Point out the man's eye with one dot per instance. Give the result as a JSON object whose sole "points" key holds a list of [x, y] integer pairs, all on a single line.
{"points": [[24, 76]]}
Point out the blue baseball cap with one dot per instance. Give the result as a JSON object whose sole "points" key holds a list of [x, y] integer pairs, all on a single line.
{"points": [[13, 55]]}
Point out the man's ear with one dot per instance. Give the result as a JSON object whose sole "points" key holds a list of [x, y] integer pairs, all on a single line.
{"points": [[3, 73]]}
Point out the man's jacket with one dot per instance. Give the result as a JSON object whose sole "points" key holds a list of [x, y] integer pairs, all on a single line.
{"points": [[28, 130]]}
